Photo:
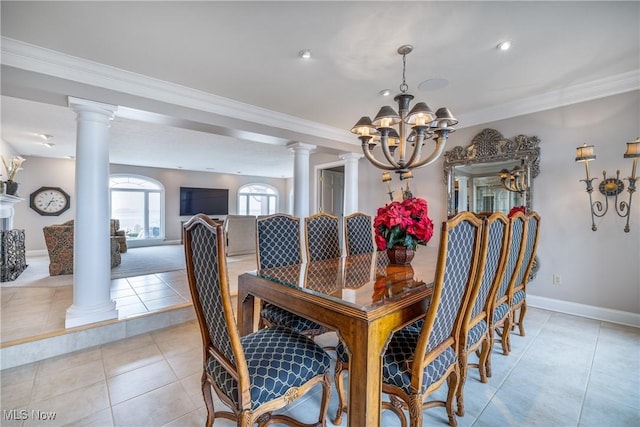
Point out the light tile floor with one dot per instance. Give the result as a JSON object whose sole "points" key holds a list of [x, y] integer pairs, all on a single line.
{"points": [[567, 371]]}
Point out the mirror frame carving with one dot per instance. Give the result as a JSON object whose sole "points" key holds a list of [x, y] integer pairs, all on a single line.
{"points": [[490, 146]]}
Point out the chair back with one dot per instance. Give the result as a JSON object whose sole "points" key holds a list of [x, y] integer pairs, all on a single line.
{"points": [[358, 231], [455, 273], [321, 236], [530, 247], [209, 285], [517, 234], [278, 240], [494, 250]]}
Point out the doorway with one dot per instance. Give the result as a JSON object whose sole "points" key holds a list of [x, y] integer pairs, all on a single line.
{"points": [[331, 191]]}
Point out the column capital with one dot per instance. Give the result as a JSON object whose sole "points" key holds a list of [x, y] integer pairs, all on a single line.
{"points": [[80, 105], [300, 147], [351, 156]]}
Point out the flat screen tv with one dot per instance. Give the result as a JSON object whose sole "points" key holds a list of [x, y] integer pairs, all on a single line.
{"points": [[209, 201]]}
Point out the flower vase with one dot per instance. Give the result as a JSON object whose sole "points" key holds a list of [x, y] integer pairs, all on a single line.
{"points": [[11, 188], [400, 255]]}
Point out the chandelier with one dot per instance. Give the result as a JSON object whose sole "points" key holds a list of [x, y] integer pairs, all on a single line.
{"points": [[396, 133], [514, 179]]}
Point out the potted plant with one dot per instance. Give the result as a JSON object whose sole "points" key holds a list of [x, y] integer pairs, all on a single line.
{"points": [[401, 226], [12, 168]]}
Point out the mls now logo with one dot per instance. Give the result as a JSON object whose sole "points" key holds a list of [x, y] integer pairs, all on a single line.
{"points": [[15, 414], [24, 414]]}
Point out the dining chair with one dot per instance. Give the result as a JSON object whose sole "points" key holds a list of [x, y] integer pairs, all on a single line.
{"points": [[321, 236], [500, 315], [256, 374], [358, 233], [474, 334], [517, 300], [278, 245], [421, 357]]}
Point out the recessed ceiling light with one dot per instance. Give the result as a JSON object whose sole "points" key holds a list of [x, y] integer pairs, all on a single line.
{"points": [[433, 84], [48, 144], [505, 45], [384, 92], [45, 136], [304, 54]]}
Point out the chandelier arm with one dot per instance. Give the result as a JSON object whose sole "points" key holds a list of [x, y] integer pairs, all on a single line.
{"points": [[417, 150], [384, 143], [373, 160], [505, 185], [440, 144]]}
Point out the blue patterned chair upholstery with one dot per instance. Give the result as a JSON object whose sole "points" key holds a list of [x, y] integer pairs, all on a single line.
{"points": [[278, 245], [432, 343], [517, 300], [358, 231], [500, 315], [321, 237], [256, 374], [474, 333]]}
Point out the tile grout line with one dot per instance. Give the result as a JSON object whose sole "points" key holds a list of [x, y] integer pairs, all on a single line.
{"points": [[510, 371], [586, 387]]}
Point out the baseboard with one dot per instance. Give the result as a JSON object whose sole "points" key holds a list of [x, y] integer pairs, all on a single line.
{"points": [[583, 310], [36, 252]]}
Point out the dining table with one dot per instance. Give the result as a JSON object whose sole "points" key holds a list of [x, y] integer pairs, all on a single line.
{"points": [[363, 298]]}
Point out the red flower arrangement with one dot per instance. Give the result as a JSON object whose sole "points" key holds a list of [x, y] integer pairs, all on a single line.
{"points": [[403, 223], [515, 209]]}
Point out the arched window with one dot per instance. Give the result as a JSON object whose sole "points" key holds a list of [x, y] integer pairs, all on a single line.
{"points": [[138, 202], [257, 199]]}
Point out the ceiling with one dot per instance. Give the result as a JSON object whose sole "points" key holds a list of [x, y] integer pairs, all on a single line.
{"points": [[227, 90]]}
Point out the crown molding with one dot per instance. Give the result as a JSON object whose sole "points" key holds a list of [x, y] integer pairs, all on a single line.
{"points": [[49, 62], [613, 85]]}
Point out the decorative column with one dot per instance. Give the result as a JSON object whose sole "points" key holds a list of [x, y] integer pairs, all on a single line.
{"points": [[91, 259], [351, 181], [301, 153], [462, 194]]}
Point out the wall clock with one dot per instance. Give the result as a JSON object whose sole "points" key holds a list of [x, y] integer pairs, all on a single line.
{"points": [[51, 201]]}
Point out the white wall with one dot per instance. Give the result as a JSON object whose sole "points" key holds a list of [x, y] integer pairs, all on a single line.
{"points": [[40, 172], [599, 268]]}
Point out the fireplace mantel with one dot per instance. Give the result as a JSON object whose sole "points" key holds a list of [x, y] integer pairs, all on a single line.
{"points": [[6, 210]]}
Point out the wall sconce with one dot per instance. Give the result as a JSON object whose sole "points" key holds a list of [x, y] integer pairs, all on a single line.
{"points": [[514, 179], [610, 187], [406, 192]]}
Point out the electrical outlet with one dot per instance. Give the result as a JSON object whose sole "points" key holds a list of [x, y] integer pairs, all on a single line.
{"points": [[557, 279]]}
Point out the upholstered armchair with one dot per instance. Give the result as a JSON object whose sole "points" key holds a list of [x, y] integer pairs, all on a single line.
{"points": [[59, 241], [118, 235]]}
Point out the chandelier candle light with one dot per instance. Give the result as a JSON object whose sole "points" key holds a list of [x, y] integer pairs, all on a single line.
{"points": [[513, 180], [610, 187], [394, 142]]}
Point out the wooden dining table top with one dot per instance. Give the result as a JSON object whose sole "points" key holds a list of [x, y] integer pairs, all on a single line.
{"points": [[365, 282]]}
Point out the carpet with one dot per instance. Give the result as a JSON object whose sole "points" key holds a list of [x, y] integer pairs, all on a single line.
{"points": [[135, 262]]}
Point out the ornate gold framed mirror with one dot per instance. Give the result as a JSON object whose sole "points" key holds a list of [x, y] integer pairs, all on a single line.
{"points": [[492, 173]]}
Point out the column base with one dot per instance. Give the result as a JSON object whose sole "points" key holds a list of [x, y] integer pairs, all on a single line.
{"points": [[78, 316]]}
